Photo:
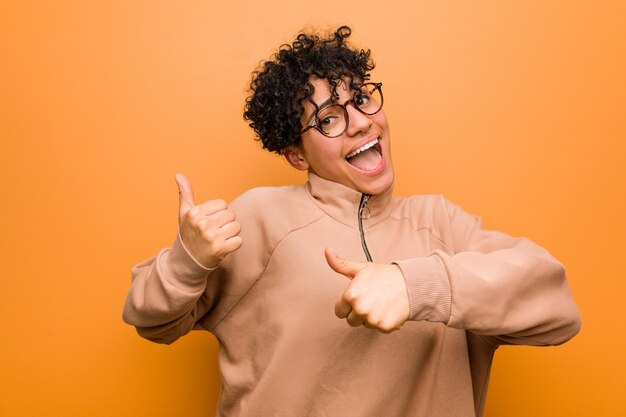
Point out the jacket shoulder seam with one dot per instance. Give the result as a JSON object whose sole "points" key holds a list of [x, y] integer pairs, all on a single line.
{"points": [[269, 259], [428, 228]]}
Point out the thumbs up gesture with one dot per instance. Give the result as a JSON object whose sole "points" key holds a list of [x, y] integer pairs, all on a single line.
{"points": [[376, 296], [208, 230]]}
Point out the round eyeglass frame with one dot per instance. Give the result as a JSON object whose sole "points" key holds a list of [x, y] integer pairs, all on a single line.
{"points": [[377, 86]]}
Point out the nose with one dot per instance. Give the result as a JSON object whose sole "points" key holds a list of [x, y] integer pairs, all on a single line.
{"points": [[357, 121]]}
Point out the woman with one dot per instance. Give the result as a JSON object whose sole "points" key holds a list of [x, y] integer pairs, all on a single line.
{"points": [[429, 294]]}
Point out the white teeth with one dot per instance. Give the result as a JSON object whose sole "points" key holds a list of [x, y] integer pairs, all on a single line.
{"points": [[362, 148]]}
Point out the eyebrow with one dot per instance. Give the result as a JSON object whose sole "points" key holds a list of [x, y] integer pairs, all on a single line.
{"points": [[320, 107]]}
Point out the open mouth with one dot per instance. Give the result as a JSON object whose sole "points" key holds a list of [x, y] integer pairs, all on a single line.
{"points": [[367, 157]]}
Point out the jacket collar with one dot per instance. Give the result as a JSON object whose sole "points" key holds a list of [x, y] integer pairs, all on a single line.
{"points": [[342, 203]]}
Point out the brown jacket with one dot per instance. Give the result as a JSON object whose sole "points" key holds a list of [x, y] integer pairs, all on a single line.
{"points": [[283, 352]]}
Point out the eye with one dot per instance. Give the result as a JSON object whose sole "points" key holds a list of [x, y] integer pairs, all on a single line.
{"points": [[327, 121], [361, 98], [329, 116]]}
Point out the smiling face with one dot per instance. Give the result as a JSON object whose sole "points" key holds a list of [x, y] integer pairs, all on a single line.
{"points": [[360, 158]]}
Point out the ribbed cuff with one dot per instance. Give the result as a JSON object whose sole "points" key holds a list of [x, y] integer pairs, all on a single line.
{"points": [[181, 269], [428, 287], [179, 240]]}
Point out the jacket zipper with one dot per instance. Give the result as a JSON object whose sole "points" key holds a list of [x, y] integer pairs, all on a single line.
{"points": [[364, 213]]}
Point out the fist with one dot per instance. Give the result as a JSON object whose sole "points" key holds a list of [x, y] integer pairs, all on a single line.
{"points": [[209, 230], [376, 296]]}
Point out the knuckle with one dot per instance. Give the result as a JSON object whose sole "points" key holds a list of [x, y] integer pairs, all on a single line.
{"points": [[198, 222], [387, 327], [383, 326], [361, 309], [220, 204], [350, 295], [208, 235], [374, 321], [354, 321], [236, 242], [236, 227], [230, 215]]}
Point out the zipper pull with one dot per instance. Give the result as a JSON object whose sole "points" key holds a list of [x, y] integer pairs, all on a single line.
{"points": [[364, 211]]}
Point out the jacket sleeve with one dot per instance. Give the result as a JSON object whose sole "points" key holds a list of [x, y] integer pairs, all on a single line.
{"points": [[166, 295], [508, 290]]}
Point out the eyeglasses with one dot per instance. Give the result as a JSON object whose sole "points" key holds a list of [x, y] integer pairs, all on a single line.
{"points": [[331, 121]]}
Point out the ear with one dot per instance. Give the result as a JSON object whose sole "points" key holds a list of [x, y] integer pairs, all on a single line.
{"points": [[296, 159]]}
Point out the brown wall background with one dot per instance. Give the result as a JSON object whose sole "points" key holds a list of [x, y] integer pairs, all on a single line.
{"points": [[514, 110]]}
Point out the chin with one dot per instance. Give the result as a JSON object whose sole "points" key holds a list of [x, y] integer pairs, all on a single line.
{"points": [[378, 186]]}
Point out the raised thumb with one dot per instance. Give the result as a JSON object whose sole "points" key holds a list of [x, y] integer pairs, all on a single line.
{"points": [[185, 194], [343, 266]]}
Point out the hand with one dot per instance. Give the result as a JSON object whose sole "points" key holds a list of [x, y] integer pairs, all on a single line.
{"points": [[376, 296], [209, 230]]}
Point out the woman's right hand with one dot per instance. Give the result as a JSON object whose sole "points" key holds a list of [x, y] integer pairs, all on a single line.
{"points": [[209, 230]]}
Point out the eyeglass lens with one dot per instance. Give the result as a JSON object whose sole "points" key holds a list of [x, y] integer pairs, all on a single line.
{"points": [[332, 120]]}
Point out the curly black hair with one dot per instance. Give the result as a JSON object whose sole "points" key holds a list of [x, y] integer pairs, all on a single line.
{"points": [[275, 105]]}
